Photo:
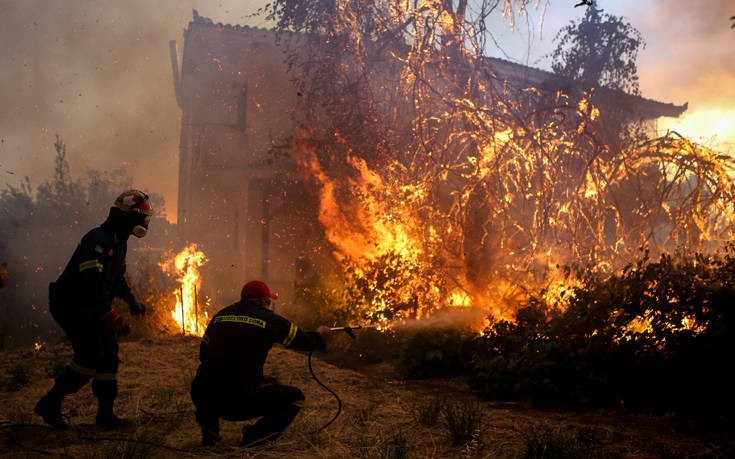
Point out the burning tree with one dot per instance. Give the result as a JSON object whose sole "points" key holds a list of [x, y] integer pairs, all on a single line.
{"points": [[440, 184]]}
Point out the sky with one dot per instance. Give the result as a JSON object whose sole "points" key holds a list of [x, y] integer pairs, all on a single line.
{"points": [[98, 74]]}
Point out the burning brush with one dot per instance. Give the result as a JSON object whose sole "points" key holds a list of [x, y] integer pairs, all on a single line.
{"points": [[187, 313]]}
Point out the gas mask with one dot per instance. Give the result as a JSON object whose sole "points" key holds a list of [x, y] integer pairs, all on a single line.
{"points": [[135, 212], [141, 228]]}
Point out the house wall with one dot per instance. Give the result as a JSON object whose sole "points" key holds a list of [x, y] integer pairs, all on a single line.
{"points": [[234, 194]]}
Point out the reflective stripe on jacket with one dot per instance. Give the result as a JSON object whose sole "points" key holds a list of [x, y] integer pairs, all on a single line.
{"points": [[94, 275], [237, 341]]}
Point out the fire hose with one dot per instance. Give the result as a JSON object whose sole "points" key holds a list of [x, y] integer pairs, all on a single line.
{"points": [[347, 329]]}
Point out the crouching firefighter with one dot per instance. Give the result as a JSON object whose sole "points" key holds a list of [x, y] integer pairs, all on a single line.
{"points": [[229, 383], [80, 301]]}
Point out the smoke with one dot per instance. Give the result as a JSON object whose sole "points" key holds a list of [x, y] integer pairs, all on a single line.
{"points": [[470, 318], [687, 49], [98, 74], [689, 59]]}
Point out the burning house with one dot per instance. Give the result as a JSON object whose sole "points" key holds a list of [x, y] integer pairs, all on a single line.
{"points": [[240, 196]]}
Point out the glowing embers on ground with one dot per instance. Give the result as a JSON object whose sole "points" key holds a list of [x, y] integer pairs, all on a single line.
{"points": [[188, 313]]}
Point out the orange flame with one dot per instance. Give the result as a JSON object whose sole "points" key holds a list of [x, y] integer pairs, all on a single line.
{"points": [[380, 227], [190, 316]]}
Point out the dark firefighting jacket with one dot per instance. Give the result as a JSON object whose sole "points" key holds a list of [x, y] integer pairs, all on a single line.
{"points": [[94, 275], [236, 343]]}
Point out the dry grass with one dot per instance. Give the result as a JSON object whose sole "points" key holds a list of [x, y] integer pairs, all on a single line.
{"points": [[381, 415]]}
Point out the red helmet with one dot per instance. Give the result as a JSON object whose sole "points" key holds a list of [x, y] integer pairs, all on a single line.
{"points": [[134, 201], [257, 289]]}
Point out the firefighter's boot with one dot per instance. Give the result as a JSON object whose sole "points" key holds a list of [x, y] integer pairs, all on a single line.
{"points": [[268, 429], [49, 407], [106, 393]]}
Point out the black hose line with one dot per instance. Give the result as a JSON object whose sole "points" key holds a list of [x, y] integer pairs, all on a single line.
{"points": [[339, 402]]}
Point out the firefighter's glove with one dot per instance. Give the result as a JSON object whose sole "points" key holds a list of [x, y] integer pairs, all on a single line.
{"points": [[325, 334], [114, 321], [136, 307]]}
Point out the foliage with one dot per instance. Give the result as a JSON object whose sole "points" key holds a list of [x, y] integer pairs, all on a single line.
{"points": [[599, 50], [374, 293], [436, 167], [655, 337], [598, 53], [154, 289], [377, 292], [433, 352], [38, 232]]}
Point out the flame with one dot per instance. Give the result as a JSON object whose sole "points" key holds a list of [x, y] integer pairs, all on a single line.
{"points": [[460, 299], [386, 249], [190, 316], [375, 228], [486, 196], [643, 324]]}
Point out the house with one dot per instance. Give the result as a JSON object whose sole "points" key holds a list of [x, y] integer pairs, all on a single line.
{"points": [[240, 200]]}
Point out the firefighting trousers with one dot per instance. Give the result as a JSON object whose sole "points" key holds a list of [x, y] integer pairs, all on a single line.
{"points": [[276, 405], [95, 356]]}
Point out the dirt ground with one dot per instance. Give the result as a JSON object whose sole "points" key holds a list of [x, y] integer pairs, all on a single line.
{"points": [[380, 417]]}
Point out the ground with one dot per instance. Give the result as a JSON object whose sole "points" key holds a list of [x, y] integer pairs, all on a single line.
{"points": [[382, 416]]}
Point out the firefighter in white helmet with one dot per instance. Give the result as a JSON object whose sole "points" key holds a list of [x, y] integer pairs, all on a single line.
{"points": [[81, 303]]}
